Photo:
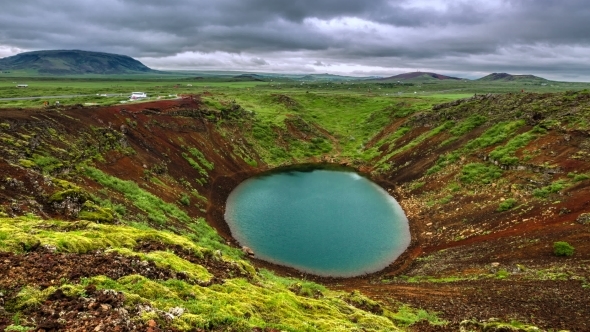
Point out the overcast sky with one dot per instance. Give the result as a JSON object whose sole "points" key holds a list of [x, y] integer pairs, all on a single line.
{"points": [[465, 38]]}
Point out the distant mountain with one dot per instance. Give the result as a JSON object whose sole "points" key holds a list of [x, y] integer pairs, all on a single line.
{"points": [[72, 62], [419, 76], [249, 77], [325, 77], [505, 77]]}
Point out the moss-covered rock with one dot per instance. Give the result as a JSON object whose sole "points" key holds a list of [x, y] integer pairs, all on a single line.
{"points": [[93, 212]]}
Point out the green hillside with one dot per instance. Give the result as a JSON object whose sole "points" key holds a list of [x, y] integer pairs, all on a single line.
{"points": [[418, 77], [72, 62], [504, 77]]}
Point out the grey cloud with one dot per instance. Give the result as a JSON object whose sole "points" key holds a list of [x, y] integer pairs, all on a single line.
{"points": [[458, 36], [259, 61]]}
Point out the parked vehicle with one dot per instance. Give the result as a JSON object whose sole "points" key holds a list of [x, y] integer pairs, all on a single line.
{"points": [[137, 95]]}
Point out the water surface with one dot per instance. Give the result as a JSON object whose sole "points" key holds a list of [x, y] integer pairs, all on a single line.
{"points": [[328, 223]]}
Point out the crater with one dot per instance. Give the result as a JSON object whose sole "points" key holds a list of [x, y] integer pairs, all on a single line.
{"points": [[329, 223]]}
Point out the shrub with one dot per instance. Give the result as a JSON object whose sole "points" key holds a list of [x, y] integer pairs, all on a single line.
{"points": [[480, 173], [507, 205], [502, 274], [581, 177], [562, 248], [185, 200], [553, 188]]}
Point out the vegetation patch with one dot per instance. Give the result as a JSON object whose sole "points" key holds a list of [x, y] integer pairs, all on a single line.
{"points": [[505, 154], [507, 205], [157, 210], [562, 248], [553, 188], [477, 173], [496, 134], [93, 212]]}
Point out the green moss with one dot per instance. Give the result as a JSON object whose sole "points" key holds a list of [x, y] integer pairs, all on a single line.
{"points": [[64, 184], [76, 193], [26, 163], [238, 304], [83, 237], [18, 328], [93, 212], [169, 260], [184, 199], [445, 160], [47, 163], [30, 297]]}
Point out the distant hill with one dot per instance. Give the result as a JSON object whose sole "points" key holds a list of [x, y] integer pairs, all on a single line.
{"points": [[72, 62], [249, 77], [505, 77], [325, 77], [419, 76]]}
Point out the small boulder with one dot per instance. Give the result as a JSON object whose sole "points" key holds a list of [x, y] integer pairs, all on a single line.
{"points": [[584, 219], [248, 251]]}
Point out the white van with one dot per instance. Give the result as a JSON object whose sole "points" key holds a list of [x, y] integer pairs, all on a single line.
{"points": [[137, 95]]}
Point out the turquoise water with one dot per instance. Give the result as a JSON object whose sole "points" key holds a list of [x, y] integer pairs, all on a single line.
{"points": [[328, 223]]}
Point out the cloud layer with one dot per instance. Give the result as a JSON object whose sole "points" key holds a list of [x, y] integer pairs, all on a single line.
{"points": [[378, 37]]}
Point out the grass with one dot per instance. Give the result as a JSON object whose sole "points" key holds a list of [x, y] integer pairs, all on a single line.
{"points": [[578, 177], [195, 165], [505, 154], [553, 188], [443, 127], [496, 134], [156, 209], [201, 158], [507, 205], [477, 173], [407, 316]]}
